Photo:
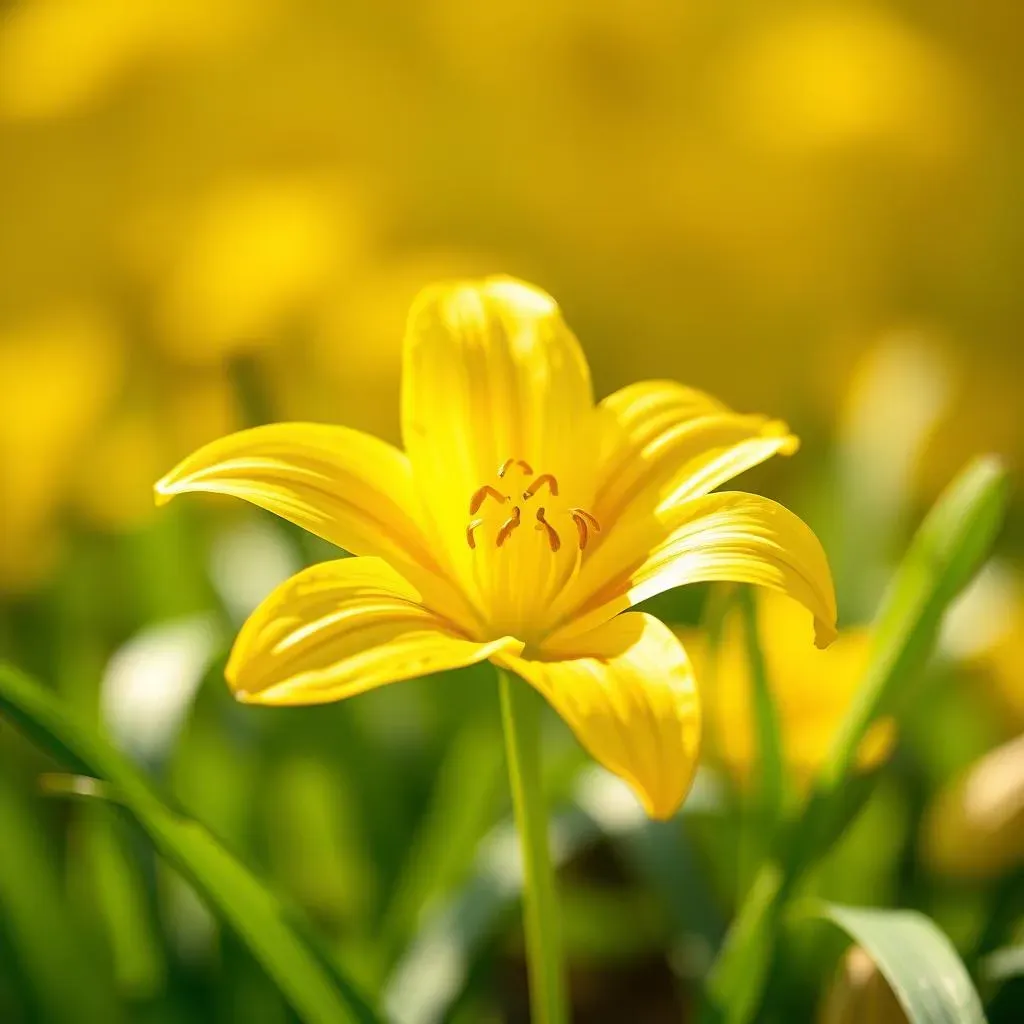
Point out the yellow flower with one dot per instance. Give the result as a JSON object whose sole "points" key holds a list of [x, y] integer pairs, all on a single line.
{"points": [[517, 525], [812, 690], [974, 827]]}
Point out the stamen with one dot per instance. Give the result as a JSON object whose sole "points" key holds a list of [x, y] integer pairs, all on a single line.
{"points": [[537, 484], [583, 519], [542, 524], [470, 530], [509, 463], [507, 527], [487, 491], [591, 520]]}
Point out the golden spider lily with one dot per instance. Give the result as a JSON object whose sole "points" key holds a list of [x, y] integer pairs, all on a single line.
{"points": [[812, 690], [518, 525]]}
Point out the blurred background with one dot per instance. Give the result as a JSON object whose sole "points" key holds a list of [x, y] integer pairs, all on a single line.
{"points": [[216, 215]]}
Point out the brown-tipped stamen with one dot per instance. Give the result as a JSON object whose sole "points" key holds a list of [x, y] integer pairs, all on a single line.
{"points": [[542, 524], [507, 527], [544, 478], [581, 530], [470, 530], [590, 520], [487, 491], [509, 463]]}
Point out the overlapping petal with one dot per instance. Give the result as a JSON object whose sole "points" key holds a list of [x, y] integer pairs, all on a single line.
{"points": [[627, 691], [725, 536], [663, 443], [341, 628], [491, 372], [343, 485]]}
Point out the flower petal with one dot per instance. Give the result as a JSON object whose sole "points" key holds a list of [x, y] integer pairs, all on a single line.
{"points": [[491, 372], [663, 443], [726, 536], [341, 628], [627, 691], [343, 485]]}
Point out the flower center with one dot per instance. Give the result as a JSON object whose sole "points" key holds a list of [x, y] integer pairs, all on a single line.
{"points": [[499, 509]]}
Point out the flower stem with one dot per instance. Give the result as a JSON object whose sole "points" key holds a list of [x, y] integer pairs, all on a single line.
{"points": [[520, 712]]}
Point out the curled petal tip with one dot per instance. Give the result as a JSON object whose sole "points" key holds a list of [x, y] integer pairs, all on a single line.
{"points": [[824, 634], [162, 492]]}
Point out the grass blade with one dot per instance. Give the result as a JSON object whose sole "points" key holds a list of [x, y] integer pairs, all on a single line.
{"points": [[66, 978], [948, 549], [916, 959], [272, 931]]}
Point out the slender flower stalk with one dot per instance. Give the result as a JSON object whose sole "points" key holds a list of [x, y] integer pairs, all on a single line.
{"points": [[541, 919], [520, 524]]}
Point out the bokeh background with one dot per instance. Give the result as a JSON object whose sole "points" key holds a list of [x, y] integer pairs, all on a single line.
{"points": [[215, 215]]}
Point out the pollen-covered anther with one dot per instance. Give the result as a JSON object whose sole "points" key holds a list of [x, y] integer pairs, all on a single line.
{"points": [[480, 495], [584, 523], [507, 527], [470, 530], [544, 478], [509, 463], [542, 524]]}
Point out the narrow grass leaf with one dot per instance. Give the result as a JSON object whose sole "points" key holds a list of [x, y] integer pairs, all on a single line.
{"points": [[61, 969], [917, 960], [275, 934]]}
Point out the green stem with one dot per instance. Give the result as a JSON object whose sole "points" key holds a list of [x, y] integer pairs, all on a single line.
{"points": [[520, 712]]}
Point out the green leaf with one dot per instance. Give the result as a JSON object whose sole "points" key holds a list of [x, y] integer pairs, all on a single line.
{"points": [[275, 934], [1003, 964], [761, 811], [771, 768], [949, 547], [66, 978], [916, 959], [945, 553]]}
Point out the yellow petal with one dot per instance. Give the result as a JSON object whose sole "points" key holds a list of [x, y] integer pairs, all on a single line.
{"points": [[726, 536], [627, 691], [341, 628], [663, 443], [491, 372], [343, 485]]}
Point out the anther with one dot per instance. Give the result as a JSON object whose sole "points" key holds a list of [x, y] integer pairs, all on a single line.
{"points": [[471, 529], [507, 527], [509, 463], [542, 524], [537, 484], [590, 520], [487, 491], [583, 520]]}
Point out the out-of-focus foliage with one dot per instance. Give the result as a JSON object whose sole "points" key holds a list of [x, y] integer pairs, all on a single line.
{"points": [[214, 215]]}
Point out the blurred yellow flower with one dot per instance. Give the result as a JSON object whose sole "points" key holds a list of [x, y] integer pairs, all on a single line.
{"points": [[259, 252], [835, 77], [974, 828], [519, 522], [59, 55], [58, 374], [812, 690]]}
